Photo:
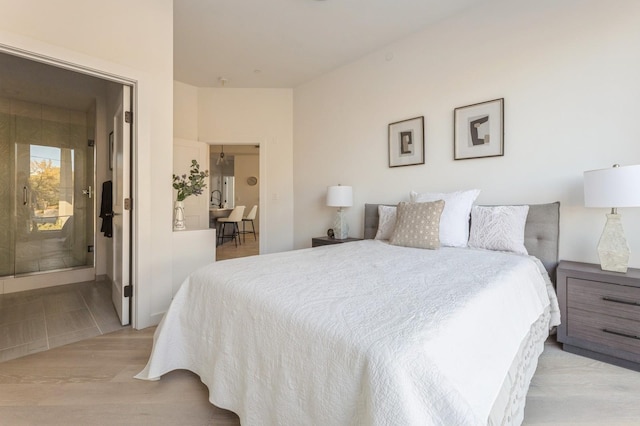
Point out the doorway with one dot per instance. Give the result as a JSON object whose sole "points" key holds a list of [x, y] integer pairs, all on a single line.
{"points": [[55, 154], [235, 181]]}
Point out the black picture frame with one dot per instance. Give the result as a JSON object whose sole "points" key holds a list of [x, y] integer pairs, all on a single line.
{"points": [[478, 130], [406, 142]]}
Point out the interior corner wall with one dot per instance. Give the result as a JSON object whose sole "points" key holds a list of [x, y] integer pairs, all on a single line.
{"points": [[246, 166], [185, 111], [134, 41], [228, 116], [567, 71], [196, 208]]}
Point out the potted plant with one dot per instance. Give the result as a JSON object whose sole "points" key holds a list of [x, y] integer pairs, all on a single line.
{"points": [[187, 185]]}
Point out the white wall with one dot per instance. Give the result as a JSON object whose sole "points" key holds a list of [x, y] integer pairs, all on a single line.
{"points": [[568, 71], [196, 207], [132, 40], [191, 250], [247, 195], [187, 147], [185, 111], [257, 116]]}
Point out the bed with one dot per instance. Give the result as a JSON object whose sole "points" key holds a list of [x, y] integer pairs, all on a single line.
{"points": [[367, 333]]}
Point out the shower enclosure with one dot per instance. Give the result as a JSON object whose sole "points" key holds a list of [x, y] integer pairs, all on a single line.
{"points": [[46, 187]]}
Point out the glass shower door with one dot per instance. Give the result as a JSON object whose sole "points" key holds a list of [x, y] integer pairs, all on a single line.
{"points": [[7, 191], [53, 193]]}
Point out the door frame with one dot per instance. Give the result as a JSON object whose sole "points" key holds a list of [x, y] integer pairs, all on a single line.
{"points": [[133, 83], [263, 235]]}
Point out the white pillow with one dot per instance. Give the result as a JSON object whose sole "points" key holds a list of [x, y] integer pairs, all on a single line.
{"points": [[454, 222], [386, 222], [499, 228]]}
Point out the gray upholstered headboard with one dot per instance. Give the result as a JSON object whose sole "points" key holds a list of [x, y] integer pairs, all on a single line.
{"points": [[541, 233]]}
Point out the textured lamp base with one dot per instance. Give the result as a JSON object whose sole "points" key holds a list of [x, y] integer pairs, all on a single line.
{"points": [[613, 249], [340, 226]]}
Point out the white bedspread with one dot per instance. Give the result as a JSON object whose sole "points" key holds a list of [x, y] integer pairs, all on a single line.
{"points": [[363, 333]]}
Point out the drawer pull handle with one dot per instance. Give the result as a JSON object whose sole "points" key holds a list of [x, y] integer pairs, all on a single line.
{"points": [[617, 333], [624, 302]]}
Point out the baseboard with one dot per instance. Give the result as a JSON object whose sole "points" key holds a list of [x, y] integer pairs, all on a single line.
{"points": [[47, 279]]}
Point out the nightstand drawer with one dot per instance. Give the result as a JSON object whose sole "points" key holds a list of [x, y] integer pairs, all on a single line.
{"points": [[600, 313], [616, 333], [600, 297]]}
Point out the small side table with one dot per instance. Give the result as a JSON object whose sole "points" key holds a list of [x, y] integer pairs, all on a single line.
{"points": [[600, 313], [326, 241]]}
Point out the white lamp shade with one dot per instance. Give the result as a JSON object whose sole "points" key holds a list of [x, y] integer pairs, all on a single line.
{"points": [[613, 187], [339, 196]]}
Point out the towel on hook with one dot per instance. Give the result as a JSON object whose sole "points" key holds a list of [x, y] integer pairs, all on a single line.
{"points": [[106, 209]]}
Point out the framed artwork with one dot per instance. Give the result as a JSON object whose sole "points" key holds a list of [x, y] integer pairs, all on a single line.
{"points": [[111, 151], [478, 130], [406, 142]]}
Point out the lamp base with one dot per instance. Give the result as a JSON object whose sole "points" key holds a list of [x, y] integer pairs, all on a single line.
{"points": [[613, 249], [340, 226]]}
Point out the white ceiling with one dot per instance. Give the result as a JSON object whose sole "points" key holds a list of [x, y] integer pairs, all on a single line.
{"points": [[290, 42], [284, 43]]}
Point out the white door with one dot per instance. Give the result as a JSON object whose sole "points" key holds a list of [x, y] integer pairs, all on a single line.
{"points": [[121, 290]]}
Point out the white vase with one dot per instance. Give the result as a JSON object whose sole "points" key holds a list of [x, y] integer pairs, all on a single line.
{"points": [[178, 216]]}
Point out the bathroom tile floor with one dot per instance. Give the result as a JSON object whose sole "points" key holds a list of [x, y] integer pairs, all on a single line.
{"points": [[37, 320], [45, 254]]}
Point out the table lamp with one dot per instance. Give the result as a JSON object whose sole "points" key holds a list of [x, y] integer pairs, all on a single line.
{"points": [[612, 188], [341, 197]]}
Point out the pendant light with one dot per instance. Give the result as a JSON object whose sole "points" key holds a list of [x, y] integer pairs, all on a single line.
{"points": [[221, 159]]}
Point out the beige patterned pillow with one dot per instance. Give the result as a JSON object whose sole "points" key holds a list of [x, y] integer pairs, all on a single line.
{"points": [[418, 225]]}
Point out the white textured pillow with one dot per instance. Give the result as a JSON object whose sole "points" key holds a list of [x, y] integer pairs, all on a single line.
{"points": [[499, 228], [454, 222], [386, 222]]}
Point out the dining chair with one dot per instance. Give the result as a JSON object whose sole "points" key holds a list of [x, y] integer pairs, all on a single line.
{"points": [[234, 218], [250, 218]]}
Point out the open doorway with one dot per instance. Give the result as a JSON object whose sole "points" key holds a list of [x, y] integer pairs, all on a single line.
{"points": [[235, 183], [55, 154]]}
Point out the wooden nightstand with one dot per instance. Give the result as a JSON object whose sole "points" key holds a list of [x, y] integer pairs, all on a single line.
{"points": [[326, 241], [600, 313]]}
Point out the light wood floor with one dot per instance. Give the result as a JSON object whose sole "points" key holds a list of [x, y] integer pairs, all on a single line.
{"points": [[36, 320], [91, 383], [249, 247], [569, 389]]}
